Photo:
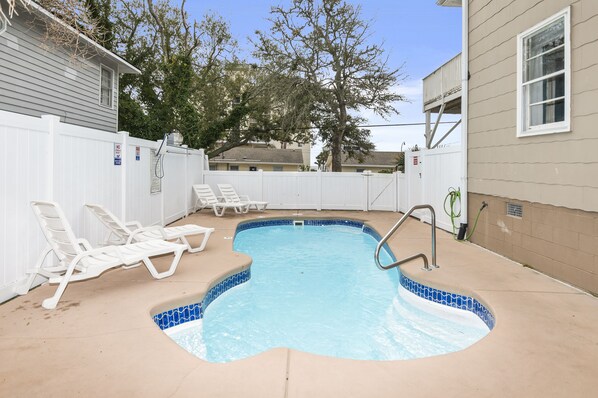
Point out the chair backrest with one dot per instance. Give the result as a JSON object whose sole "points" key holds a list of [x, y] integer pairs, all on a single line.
{"points": [[229, 193], [113, 223], [57, 230], [205, 193]]}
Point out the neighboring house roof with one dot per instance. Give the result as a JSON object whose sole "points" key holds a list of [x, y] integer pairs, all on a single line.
{"points": [[124, 66], [260, 155], [374, 158]]}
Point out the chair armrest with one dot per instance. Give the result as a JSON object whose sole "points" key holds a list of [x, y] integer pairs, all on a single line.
{"points": [[85, 243], [109, 250], [135, 224], [244, 198], [146, 229]]}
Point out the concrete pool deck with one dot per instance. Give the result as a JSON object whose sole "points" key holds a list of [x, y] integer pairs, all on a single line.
{"points": [[102, 341]]}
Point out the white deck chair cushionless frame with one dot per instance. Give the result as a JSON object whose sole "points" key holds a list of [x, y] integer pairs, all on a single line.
{"points": [[120, 233], [230, 196], [206, 198], [79, 261]]}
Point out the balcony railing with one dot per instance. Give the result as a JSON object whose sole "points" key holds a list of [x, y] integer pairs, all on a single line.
{"points": [[443, 86]]}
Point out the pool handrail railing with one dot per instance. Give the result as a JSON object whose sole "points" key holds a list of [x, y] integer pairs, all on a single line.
{"points": [[415, 256]]}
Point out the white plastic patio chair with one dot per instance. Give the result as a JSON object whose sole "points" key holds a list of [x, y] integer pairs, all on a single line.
{"points": [[230, 196], [79, 261], [119, 233], [206, 198]]}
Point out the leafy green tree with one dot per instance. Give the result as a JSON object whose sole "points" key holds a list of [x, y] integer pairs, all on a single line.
{"points": [[326, 67]]}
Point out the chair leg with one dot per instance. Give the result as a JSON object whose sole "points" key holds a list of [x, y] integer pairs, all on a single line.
{"points": [[200, 247], [50, 303], [221, 213], [26, 286], [161, 275]]}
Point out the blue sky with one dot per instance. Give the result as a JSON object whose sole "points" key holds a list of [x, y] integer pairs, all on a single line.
{"points": [[417, 34]]}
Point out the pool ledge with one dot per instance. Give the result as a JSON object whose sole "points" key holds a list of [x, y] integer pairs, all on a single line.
{"points": [[177, 315]]}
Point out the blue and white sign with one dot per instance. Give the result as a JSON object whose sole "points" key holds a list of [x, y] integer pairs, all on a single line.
{"points": [[117, 154]]}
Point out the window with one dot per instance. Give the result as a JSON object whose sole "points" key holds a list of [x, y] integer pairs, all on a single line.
{"points": [[233, 168], [213, 167], [543, 74], [252, 168], [106, 86], [360, 170]]}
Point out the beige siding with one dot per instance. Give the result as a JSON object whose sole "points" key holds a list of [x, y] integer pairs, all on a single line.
{"points": [[373, 169], [555, 169], [245, 167]]}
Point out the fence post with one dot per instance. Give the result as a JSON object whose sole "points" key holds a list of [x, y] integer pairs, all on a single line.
{"points": [[367, 191], [124, 140], [53, 129], [397, 193], [261, 179], [319, 208], [186, 193]]}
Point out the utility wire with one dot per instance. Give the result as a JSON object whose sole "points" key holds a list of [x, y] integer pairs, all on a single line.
{"points": [[362, 125]]}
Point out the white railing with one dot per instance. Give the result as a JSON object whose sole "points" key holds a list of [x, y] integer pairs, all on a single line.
{"points": [[44, 159], [443, 83]]}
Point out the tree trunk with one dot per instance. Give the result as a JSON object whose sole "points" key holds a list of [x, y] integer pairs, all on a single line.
{"points": [[336, 152], [337, 139]]}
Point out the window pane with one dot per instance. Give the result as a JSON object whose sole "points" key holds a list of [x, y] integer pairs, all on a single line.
{"points": [[545, 65], [106, 97], [543, 90], [551, 36], [550, 112]]}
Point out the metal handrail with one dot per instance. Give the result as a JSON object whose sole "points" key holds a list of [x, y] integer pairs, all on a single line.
{"points": [[419, 255]]}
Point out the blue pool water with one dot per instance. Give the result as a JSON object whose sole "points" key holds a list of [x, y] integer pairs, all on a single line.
{"points": [[317, 289]]}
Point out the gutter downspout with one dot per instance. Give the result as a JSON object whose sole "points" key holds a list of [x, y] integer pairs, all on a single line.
{"points": [[464, 113]]}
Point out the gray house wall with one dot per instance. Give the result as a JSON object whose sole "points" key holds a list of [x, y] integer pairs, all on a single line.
{"points": [[40, 79]]}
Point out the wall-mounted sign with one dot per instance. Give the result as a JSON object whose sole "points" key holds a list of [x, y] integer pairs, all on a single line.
{"points": [[137, 153], [117, 154], [415, 160], [155, 172]]}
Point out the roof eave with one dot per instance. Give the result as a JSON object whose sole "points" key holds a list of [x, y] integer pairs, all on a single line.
{"points": [[449, 3], [124, 66]]}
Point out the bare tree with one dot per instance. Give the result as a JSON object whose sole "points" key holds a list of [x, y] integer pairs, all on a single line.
{"points": [[64, 23], [321, 50]]}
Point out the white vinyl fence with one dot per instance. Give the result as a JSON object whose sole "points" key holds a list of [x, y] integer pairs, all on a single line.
{"points": [[44, 159], [428, 176], [312, 190]]}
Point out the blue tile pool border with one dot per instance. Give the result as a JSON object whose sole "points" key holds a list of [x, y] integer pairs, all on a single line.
{"points": [[195, 311]]}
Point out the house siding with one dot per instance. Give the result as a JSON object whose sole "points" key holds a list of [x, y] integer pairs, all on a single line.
{"points": [[35, 80], [554, 177], [554, 169]]}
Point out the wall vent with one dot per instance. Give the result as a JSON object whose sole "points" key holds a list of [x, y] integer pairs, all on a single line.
{"points": [[514, 210]]}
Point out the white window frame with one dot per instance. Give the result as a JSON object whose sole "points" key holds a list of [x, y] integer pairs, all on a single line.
{"points": [[111, 106], [559, 127]]}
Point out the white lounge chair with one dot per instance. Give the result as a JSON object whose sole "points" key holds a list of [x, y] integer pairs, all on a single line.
{"points": [[119, 233], [230, 196], [79, 261], [206, 198]]}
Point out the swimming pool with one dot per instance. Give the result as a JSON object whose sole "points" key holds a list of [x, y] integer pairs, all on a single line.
{"points": [[315, 288]]}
